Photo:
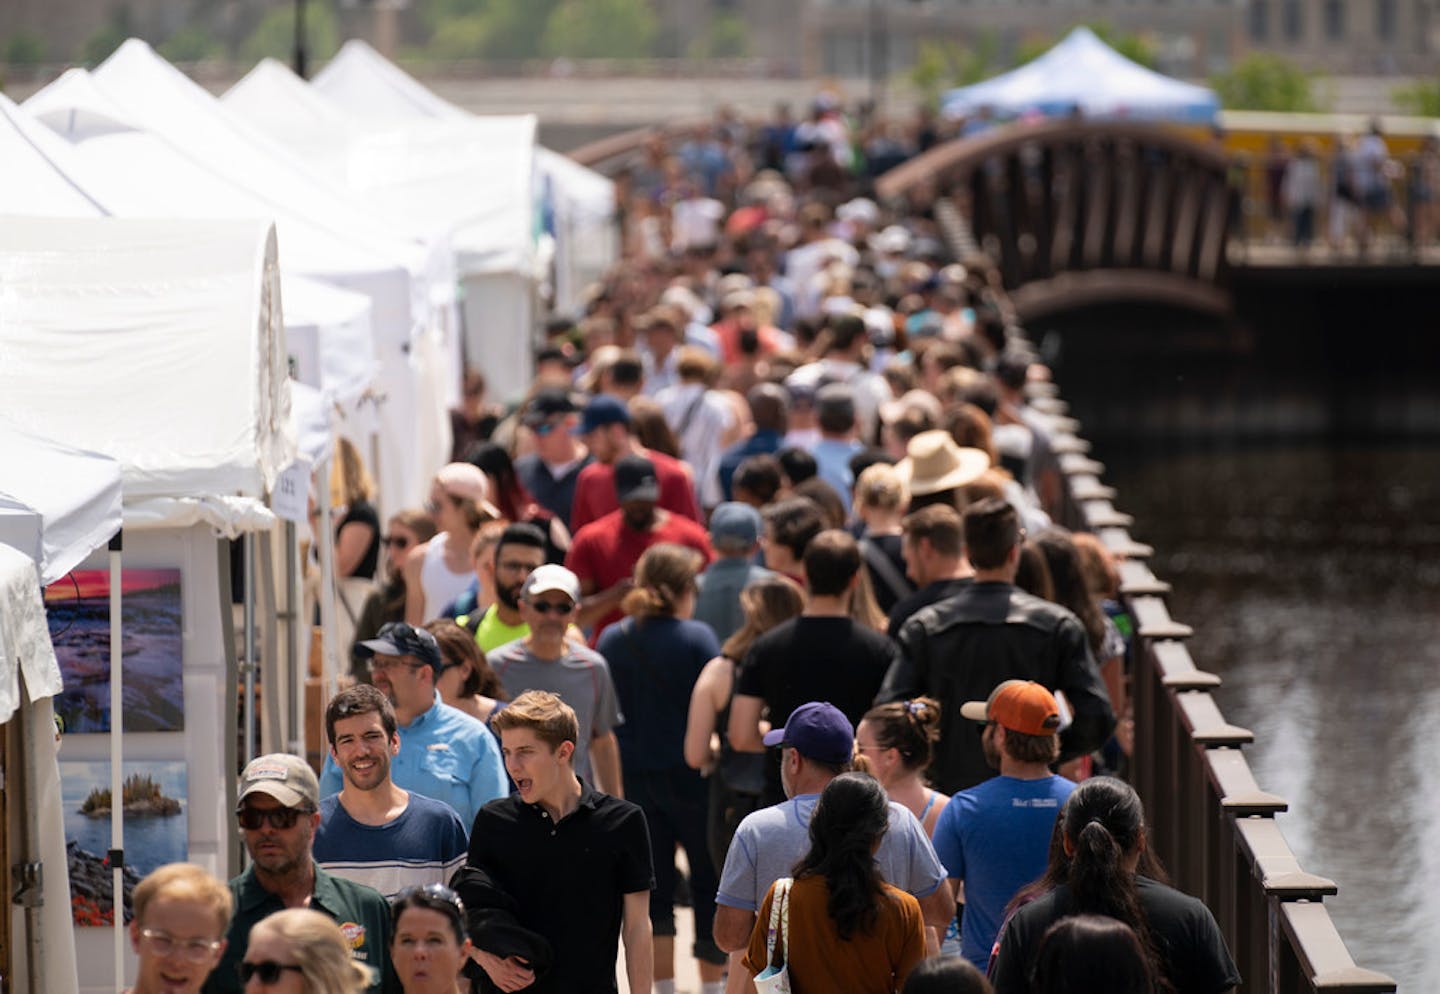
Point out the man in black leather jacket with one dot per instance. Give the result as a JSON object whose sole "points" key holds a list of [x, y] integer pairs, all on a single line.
{"points": [[963, 647]]}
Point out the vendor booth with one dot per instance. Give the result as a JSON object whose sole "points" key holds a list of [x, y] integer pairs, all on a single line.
{"points": [[412, 296], [1084, 75], [57, 506], [160, 345]]}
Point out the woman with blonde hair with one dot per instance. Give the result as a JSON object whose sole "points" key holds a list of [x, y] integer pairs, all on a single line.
{"points": [[881, 500], [655, 655], [439, 571], [299, 951]]}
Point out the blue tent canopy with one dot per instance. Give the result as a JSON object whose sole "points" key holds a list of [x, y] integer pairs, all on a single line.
{"points": [[1083, 73]]}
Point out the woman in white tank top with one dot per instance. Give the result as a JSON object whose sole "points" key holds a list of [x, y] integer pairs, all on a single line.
{"points": [[441, 570]]}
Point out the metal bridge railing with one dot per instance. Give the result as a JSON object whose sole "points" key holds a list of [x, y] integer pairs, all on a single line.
{"points": [[1210, 823]]}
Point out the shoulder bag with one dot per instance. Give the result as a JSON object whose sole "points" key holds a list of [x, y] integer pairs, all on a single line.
{"points": [[775, 978]]}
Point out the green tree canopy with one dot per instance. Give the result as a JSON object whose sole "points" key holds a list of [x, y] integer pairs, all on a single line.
{"points": [[274, 36], [24, 49], [600, 29], [1262, 81], [191, 43], [1421, 98]]}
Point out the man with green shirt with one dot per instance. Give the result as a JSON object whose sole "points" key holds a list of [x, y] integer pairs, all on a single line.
{"points": [[279, 810], [520, 550]]}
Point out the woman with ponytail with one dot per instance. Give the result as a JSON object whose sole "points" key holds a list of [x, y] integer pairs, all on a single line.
{"points": [[895, 742], [655, 656], [847, 930], [1102, 831]]}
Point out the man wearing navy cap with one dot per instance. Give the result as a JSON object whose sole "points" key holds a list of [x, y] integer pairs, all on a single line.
{"points": [[444, 753], [603, 554], [605, 427], [816, 745], [552, 471], [735, 535]]}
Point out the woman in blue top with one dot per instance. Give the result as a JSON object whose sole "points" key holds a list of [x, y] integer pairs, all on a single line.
{"points": [[655, 656]]}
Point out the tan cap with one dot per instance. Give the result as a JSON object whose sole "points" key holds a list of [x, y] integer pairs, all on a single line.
{"points": [[284, 777]]}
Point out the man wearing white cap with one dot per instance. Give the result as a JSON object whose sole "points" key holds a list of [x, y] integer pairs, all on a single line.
{"points": [[547, 660]]}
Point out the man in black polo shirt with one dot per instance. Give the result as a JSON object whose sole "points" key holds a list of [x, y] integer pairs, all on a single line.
{"points": [[576, 861]]}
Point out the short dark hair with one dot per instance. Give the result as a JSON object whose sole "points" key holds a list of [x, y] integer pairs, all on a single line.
{"points": [[1032, 748], [768, 406], [520, 533], [363, 698], [831, 561], [759, 475], [797, 464], [844, 330], [794, 523], [938, 524], [992, 529], [627, 370]]}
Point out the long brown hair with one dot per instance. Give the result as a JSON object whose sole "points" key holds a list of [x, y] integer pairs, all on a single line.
{"points": [[767, 602], [662, 576]]}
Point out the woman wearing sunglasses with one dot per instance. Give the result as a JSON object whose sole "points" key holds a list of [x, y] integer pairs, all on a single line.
{"points": [[299, 951], [428, 944]]}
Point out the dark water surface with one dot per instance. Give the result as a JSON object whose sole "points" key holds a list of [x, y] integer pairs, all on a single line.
{"points": [[1311, 574]]}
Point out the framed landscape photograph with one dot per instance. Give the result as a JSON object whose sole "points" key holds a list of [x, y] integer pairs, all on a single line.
{"points": [[78, 608], [156, 829]]}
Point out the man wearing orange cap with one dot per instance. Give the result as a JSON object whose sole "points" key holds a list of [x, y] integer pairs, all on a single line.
{"points": [[995, 837]]}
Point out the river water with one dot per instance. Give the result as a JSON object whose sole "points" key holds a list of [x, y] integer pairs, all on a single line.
{"points": [[1311, 574]]}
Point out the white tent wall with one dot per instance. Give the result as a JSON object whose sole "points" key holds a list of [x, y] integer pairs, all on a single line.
{"points": [[209, 808], [126, 165], [499, 313]]}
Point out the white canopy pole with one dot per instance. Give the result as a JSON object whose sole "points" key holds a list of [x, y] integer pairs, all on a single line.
{"points": [[326, 541], [117, 774]]}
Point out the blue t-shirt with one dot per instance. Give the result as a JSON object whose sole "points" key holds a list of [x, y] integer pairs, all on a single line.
{"points": [[655, 665], [996, 837], [445, 754], [425, 845]]}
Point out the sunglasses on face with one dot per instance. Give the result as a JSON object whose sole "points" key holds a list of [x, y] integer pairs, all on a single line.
{"points": [[551, 607], [281, 818], [267, 971], [544, 428]]}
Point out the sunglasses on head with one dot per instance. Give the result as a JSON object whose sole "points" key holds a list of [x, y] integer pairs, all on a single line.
{"points": [[551, 607], [268, 971], [281, 818]]}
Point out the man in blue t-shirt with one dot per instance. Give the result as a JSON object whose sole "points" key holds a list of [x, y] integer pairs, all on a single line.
{"points": [[373, 832], [995, 837]]}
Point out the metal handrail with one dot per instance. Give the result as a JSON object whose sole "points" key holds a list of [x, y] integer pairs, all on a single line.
{"points": [[1210, 822]]}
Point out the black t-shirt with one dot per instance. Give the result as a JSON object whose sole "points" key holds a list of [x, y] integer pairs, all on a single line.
{"points": [[929, 594], [569, 879], [1182, 928], [814, 659], [363, 512], [889, 585]]}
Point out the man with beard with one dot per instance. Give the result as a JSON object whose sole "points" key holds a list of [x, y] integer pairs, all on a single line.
{"points": [[995, 837], [374, 832], [444, 753], [546, 659], [520, 551], [604, 553], [278, 814]]}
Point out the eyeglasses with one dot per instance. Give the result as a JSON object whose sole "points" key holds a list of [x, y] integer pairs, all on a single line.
{"points": [[396, 542], [509, 566], [552, 607], [544, 428], [165, 944], [378, 664], [267, 970], [281, 818]]}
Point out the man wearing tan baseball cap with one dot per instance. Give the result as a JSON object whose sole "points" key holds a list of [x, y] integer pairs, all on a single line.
{"points": [[995, 837]]}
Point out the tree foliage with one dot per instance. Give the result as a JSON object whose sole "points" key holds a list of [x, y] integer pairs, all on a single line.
{"points": [[1135, 47], [1263, 81], [1421, 98], [939, 65], [191, 43], [24, 49], [600, 29], [728, 37], [274, 36]]}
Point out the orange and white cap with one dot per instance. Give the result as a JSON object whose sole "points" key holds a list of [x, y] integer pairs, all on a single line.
{"points": [[1022, 706]]}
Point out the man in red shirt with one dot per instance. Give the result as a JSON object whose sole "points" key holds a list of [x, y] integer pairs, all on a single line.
{"points": [[603, 554], [605, 426]]}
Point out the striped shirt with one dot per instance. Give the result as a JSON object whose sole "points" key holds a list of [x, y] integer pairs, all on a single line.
{"points": [[425, 845]]}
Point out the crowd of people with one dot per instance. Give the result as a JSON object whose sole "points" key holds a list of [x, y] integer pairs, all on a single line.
{"points": [[769, 568]]}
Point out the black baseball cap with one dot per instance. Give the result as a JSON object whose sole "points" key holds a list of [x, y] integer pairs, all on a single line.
{"points": [[635, 479], [399, 639], [548, 403]]}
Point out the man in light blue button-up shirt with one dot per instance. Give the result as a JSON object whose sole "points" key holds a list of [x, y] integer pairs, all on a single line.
{"points": [[444, 753]]}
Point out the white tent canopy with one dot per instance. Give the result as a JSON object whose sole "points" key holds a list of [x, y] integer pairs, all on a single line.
{"points": [[413, 298], [1083, 73], [57, 504], [37, 166], [158, 343]]}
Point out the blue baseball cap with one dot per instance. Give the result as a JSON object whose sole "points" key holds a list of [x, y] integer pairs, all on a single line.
{"points": [[734, 525], [601, 411], [818, 730]]}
